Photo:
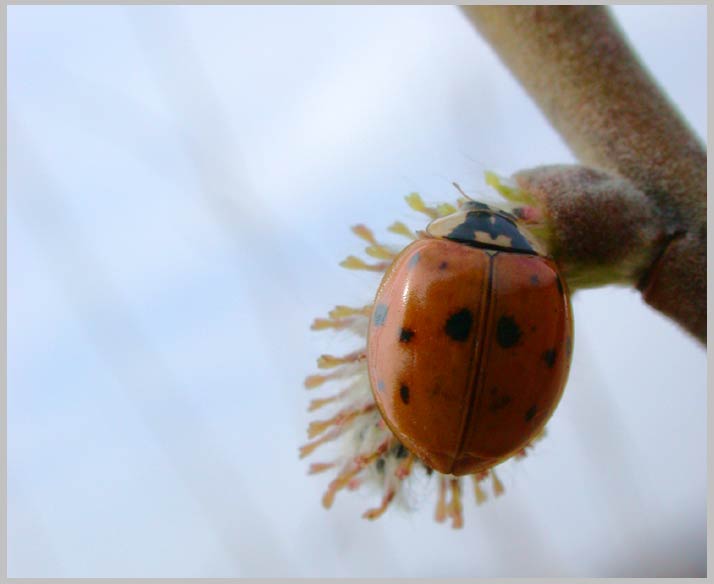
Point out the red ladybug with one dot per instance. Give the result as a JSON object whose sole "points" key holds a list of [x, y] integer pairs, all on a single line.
{"points": [[469, 341]]}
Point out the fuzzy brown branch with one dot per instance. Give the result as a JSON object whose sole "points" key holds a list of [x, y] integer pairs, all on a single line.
{"points": [[577, 66]]}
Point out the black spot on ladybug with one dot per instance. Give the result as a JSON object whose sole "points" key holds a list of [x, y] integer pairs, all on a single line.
{"points": [[492, 224], [380, 465], [443, 265], [380, 314], [549, 357], [404, 393], [401, 452], [508, 333], [535, 280], [559, 284], [458, 325], [405, 335], [499, 402], [530, 413]]}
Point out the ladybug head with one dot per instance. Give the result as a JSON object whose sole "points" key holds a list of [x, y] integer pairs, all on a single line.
{"points": [[480, 225]]}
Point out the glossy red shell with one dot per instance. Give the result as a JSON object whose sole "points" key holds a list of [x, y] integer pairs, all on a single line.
{"points": [[468, 351]]}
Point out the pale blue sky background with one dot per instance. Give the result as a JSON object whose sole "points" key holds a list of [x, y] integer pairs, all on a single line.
{"points": [[181, 181]]}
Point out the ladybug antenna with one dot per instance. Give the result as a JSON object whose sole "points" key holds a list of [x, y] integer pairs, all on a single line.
{"points": [[463, 194]]}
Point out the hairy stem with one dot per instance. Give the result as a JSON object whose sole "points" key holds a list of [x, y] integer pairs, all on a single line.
{"points": [[577, 66]]}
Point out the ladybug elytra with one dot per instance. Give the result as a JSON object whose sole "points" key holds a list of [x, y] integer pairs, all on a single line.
{"points": [[469, 341]]}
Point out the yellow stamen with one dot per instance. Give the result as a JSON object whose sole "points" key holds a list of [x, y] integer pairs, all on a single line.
{"points": [[415, 201], [358, 464], [330, 361], [478, 491], [348, 369], [339, 483], [313, 381], [317, 467], [376, 249], [445, 209], [354, 263], [378, 511], [405, 467], [507, 192], [400, 229], [308, 448], [496, 484], [342, 418], [343, 311], [324, 323], [380, 252], [364, 232], [455, 509], [354, 484], [318, 403], [440, 514]]}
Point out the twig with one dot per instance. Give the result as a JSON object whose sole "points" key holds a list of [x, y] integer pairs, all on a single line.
{"points": [[577, 66]]}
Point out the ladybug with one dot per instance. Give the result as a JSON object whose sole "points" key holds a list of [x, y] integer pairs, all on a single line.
{"points": [[469, 341]]}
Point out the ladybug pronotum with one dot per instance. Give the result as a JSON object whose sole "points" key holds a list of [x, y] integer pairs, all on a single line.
{"points": [[469, 341]]}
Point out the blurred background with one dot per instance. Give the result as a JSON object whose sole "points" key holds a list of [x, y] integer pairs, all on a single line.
{"points": [[181, 182]]}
